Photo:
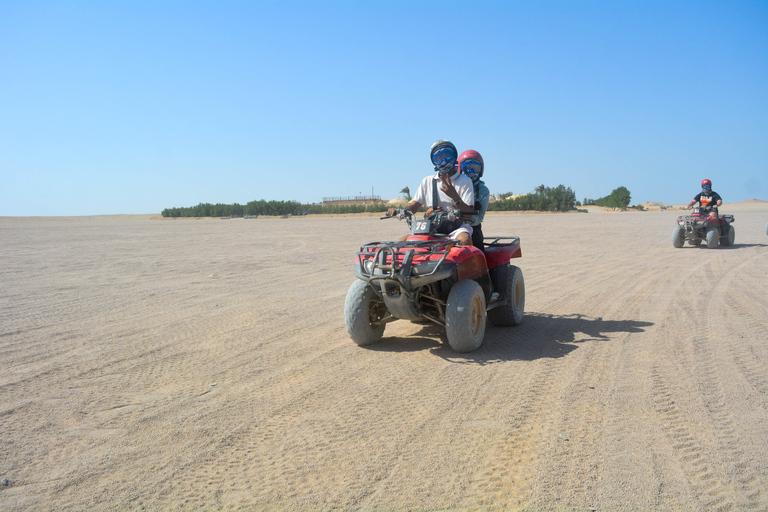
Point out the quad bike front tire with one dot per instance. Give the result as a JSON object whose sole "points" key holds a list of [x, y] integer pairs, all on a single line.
{"points": [[728, 239], [465, 316], [511, 313], [713, 236], [678, 237], [361, 309]]}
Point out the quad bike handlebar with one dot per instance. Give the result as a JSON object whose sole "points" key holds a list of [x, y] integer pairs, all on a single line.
{"points": [[703, 208], [438, 221], [400, 213], [437, 215]]}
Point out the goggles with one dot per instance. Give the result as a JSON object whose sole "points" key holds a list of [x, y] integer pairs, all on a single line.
{"points": [[443, 156], [472, 169]]}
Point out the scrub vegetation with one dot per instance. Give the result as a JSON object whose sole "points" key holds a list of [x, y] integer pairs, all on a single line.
{"points": [[543, 198], [619, 198]]}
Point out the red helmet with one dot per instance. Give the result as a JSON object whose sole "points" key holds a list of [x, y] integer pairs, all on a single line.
{"points": [[471, 163], [706, 186]]}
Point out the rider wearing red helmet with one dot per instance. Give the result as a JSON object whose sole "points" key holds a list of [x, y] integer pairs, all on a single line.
{"points": [[472, 166], [708, 199]]}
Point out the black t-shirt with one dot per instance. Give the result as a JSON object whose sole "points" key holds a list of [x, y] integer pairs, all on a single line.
{"points": [[708, 201]]}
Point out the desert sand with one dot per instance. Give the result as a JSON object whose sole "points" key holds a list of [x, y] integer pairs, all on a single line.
{"points": [[150, 364]]}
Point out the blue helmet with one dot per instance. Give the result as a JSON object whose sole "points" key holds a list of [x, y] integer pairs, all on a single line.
{"points": [[443, 156]]}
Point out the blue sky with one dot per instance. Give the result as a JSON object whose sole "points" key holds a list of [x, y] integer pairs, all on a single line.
{"points": [[113, 107]]}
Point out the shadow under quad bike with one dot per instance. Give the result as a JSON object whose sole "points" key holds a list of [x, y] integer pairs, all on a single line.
{"points": [[697, 228], [430, 278]]}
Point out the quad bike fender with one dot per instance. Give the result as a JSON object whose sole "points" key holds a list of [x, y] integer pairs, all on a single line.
{"points": [[471, 262], [726, 220], [499, 255]]}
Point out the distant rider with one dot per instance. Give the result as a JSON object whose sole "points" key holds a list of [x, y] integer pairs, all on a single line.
{"points": [[708, 199], [454, 190], [472, 166]]}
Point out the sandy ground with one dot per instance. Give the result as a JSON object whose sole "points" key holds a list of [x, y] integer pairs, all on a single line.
{"points": [[204, 365]]}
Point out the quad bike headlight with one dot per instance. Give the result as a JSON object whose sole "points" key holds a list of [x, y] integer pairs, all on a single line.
{"points": [[368, 266]]}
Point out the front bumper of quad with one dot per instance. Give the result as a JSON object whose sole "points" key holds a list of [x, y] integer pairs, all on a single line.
{"points": [[390, 269], [413, 278], [695, 227]]}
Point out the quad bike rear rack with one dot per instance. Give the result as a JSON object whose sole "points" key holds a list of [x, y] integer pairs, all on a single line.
{"points": [[496, 241]]}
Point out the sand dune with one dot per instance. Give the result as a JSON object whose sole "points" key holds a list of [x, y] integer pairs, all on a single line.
{"points": [[204, 365]]}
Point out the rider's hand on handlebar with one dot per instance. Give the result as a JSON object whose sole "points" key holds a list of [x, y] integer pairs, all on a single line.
{"points": [[431, 210]]}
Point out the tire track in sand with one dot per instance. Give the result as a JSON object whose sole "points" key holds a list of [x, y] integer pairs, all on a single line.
{"points": [[509, 462], [725, 483]]}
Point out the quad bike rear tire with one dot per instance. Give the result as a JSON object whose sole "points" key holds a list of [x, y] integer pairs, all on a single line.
{"points": [[512, 287], [729, 238], [361, 307], [712, 237], [465, 316], [678, 237]]}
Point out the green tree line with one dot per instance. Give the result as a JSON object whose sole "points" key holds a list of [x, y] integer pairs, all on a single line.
{"points": [[543, 198], [619, 198], [262, 207]]}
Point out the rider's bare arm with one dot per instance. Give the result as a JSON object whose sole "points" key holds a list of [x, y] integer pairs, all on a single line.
{"points": [[413, 206], [465, 207]]}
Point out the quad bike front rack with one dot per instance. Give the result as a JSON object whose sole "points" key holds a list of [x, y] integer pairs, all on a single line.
{"points": [[390, 265]]}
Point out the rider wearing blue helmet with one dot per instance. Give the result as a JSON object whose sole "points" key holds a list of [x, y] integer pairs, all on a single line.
{"points": [[454, 190]]}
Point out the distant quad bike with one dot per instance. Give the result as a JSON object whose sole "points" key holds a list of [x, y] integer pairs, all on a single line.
{"points": [[429, 278], [697, 228]]}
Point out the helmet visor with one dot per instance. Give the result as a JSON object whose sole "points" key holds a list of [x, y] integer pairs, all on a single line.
{"points": [[443, 156], [707, 187], [472, 168]]}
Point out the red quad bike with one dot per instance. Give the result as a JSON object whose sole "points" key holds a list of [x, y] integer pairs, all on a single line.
{"points": [[429, 278], [697, 227]]}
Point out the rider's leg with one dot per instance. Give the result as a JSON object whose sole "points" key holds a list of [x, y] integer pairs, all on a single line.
{"points": [[477, 237], [464, 238], [463, 234]]}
